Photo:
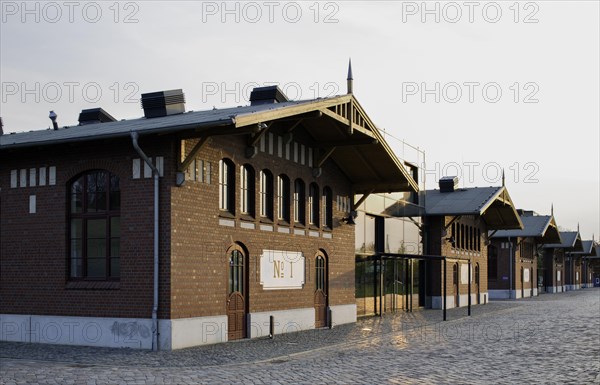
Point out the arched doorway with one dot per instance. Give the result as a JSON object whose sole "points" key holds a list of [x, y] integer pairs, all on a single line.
{"points": [[455, 284], [320, 290], [237, 296]]}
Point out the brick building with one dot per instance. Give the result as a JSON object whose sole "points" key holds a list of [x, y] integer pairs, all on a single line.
{"points": [[456, 223], [513, 256], [555, 262], [578, 275], [186, 228]]}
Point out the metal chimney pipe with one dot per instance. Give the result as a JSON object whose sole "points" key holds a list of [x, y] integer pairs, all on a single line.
{"points": [[53, 117]]}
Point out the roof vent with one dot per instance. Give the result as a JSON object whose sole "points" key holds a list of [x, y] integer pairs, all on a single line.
{"points": [[94, 115], [163, 103], [526, 213], [267, 95], [448, 184]]}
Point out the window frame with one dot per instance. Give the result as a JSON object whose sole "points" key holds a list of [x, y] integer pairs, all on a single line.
{"points": [[327, 208], [283, 198], [247, 190], [314, 208], [266, 194], [299, 202], [85, 215], [227, 186]]}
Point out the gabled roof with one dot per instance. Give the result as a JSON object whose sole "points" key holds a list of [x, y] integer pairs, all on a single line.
{"points": [[541, 227], [570, 240], [493, 204], [589, 249], [337, 127]]}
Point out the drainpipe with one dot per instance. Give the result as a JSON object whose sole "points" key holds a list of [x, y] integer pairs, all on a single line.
{"points": [[134, 139]]}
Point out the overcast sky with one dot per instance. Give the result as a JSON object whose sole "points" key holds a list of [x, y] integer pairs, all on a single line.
{"points": [[479, 86]]}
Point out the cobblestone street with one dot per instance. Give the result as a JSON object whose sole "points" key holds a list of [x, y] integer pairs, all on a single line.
{"points": [[554, 338]]}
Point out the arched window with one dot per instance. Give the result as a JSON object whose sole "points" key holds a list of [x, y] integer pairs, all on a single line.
{"points": [[226, 186], [470, 245], [266, 194], [247, 190], [95, 226], [478, 239], [236, 271], [321, 272], [328, 207], [299, 205], [313, 205], [283, 198], [453, 235]]}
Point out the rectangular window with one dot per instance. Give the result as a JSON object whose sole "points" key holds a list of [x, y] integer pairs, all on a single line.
{"points": [[32, 177], [136, 167], [13, 178], [42, 176], [52, 175], [23, 178]]}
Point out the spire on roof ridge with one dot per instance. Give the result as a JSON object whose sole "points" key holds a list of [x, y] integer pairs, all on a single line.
{"points": [[349, 79]]}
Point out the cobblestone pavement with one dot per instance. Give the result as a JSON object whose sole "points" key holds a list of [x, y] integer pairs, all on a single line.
{"points": [[554, 338]]}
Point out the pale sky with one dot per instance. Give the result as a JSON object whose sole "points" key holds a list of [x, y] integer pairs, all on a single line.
{"points": [[517, 84]]}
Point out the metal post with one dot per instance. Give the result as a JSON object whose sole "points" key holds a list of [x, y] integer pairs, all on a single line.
{"points": [[469, 290], [271, 327], [410, 282], [444, 291]]}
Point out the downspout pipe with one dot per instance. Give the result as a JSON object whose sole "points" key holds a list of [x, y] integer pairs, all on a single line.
{"points": [[155, 174]]}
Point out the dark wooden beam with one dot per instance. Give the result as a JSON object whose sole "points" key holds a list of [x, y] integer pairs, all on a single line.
{"points": [[188, 159]]}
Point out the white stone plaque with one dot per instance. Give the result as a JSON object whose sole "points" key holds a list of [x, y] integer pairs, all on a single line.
{"points": [[280, 270]]}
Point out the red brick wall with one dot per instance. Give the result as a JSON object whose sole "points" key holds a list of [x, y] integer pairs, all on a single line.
{"points": [[193, 264], [34, 262], [438, 245], [199, 244]]}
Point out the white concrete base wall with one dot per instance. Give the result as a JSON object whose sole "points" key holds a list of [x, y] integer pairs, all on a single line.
{"points": [[437, 301], [555, 289], [87, 331], [343, 314], [535, 292], [499, 294], [187, 332], [286, 321]]}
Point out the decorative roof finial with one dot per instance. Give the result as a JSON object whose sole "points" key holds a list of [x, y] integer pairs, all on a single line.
{"points": [[552, 209], [503, 179], [349, 79]]}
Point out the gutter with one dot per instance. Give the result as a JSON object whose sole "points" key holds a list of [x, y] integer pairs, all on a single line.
{"points": [[134, 139]]}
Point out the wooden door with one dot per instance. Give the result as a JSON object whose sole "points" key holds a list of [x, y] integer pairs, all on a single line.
{"points": [[236, 299], [236, 316], [320, 292]]}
